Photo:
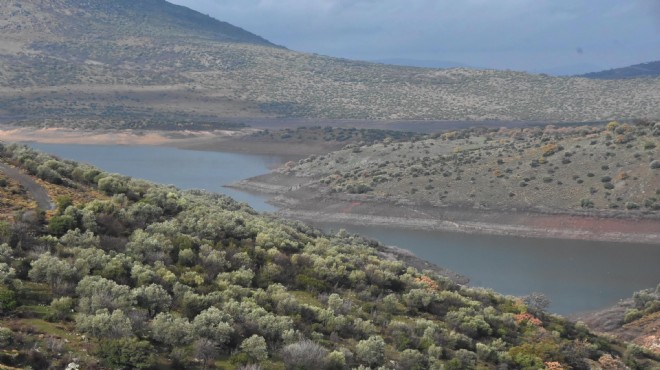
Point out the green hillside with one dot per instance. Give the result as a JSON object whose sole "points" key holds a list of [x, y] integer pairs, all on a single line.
{"points": [[147, 276]]}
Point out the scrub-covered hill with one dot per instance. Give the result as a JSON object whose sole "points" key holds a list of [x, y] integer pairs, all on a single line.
{"points": [[149, 276], [614, 166], [650, 69], [587, 182], [152, 62]]}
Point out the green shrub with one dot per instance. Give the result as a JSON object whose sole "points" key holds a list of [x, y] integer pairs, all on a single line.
{"points": [[48, 174], [632, 315], [412, 359], [112, 185], [63, 202], [127, 353], [59, 225], [631, 205], [7, 299], [358, 189], [6, 336], [371, 352], [60, 309], [255, 348], [586, 203]]}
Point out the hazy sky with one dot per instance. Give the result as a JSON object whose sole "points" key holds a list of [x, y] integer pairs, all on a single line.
{"points": [[532, 35]]}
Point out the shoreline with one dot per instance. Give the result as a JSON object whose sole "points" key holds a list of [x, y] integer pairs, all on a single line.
{"points": [[467, 227], [334, 209], [114, 137], [526, 224]]}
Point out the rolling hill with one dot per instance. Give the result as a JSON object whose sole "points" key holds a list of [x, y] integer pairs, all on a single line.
{"points": [[596, 182], [126, 274], [66, 61], [650, 69]]}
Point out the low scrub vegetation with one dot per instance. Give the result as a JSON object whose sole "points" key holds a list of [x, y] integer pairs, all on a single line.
{"points": [[552, 168], [181, 62], [147, 276]]}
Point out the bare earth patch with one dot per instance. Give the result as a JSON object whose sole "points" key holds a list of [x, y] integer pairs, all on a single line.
{"points": [[120, 137]]}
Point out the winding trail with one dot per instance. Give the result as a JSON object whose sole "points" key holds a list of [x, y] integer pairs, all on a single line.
{"points": [[36, 191]]}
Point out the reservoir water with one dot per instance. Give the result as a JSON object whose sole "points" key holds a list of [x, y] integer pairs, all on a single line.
{"points": [[576, 275], [185, 169]]}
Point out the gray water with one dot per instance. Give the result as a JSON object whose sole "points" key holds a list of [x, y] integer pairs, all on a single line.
{"points": [[576, 275], [186, 169]]}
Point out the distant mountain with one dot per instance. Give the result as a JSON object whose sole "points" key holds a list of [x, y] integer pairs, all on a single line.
{"points": [[422, 63], [114, 20], [63, 62], [569, 70], [650, 69]]}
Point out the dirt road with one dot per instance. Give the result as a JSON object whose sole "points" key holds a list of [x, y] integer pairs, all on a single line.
{"points": [[36, 191]]}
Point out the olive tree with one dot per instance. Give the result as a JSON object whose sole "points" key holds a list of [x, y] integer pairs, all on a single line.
{"points": [[153, 298], [146, 247], [53, 271], [172, 330], [255, 348], [371, 351], [104, 324], [98, 293], [214, 325]]}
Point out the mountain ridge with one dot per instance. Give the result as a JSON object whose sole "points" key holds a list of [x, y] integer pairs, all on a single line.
{"points": [[648, 69], [75, 18], [74, 58]]}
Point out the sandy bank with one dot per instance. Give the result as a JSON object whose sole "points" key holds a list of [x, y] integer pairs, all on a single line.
{"points": [[118, 137], [233, 141]]}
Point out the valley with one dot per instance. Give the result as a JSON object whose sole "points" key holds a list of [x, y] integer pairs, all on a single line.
{"points": [[177, 192], [113, 239], [467, 236]]}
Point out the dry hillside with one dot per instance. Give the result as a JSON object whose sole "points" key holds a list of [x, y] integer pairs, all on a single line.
{"points": [[580, 169], [153, 60]]}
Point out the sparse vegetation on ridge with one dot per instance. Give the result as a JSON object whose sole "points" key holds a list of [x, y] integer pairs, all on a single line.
{"points": [[569, 169], [634, 320], [140, 64], [150, 276], [650, 69]]}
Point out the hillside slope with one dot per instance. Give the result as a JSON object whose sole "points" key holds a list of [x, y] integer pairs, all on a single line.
{"points": [[67, 60], [65, 20], [553, 168], [147, 276], [579, 182], [650, 69]]}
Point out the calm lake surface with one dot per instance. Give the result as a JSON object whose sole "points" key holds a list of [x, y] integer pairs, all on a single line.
{"points": [[576, 275], [186, 169]]}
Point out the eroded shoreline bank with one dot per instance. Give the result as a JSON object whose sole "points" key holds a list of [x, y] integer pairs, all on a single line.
{"points": [[306, 206]]}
